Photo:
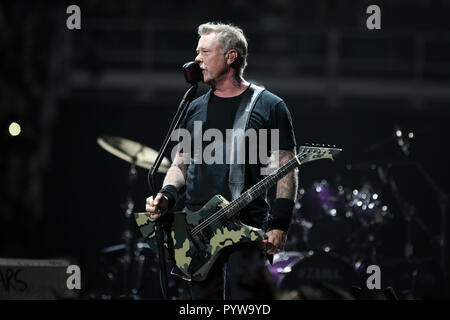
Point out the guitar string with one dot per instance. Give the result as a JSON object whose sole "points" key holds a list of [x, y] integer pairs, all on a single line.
{"points": [[207, 222], [214, 223], [253, 190], [241, 204], [214, 218], [223, 211], [234, 204]]}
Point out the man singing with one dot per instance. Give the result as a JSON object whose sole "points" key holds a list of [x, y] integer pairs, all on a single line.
{"points": [[222, 55]]}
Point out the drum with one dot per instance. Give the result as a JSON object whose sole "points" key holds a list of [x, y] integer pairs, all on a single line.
{"points": [[142, 280], [322, 220], [282, 265], [367, 206], [325, 275]]}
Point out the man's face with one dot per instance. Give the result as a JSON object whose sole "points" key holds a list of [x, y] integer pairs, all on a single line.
{"points": [[210, 57]]}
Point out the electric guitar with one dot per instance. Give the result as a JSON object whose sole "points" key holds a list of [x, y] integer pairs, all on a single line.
{"points": [[194, 240]]}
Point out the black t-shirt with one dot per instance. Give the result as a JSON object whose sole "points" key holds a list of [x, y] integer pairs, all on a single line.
{"points": [[206, 180]]}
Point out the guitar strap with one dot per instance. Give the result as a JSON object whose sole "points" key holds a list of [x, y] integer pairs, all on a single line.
{"points": [[237, 170]]}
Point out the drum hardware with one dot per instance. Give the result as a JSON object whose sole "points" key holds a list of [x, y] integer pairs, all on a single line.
{"points": [[323, 220], [410, 216], [316, 272], [129, 264], [340, 222], [322, 208], [442, 198], [145, 278], [403, 144], [282, 264]]}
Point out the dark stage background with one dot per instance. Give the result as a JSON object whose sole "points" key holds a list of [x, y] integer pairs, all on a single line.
{"points": [[62, 194]]}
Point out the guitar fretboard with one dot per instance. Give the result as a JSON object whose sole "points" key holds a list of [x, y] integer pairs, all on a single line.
{"points": [[306, 154], [258, 189]]}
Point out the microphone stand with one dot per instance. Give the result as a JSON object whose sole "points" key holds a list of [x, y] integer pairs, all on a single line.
{"points": [[187, 98]]}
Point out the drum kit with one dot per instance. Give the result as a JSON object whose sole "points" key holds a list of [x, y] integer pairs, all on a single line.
{"points": [[330, 218], [332, 238], [338, 231], [332, 235]]}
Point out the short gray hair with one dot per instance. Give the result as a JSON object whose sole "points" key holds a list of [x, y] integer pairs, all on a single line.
{"points": [[230, 37]]}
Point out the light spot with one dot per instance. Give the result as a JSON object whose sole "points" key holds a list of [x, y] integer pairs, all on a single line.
{"points": [[14, 129]]}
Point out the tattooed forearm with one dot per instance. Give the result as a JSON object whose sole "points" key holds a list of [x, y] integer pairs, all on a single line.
{"points": [[288, 185], [176, 175]]}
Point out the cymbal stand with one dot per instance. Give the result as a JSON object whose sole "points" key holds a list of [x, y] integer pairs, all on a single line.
{"points": [[443, 205], [408, 210], [404, 145], [128, 285]]}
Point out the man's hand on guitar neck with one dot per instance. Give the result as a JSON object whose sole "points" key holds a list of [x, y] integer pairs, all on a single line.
{"points": [[157, 207], [275, 241]]}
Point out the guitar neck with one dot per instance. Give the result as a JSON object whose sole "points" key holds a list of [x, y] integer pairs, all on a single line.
{"points": [[258, 189], [306, 154]]}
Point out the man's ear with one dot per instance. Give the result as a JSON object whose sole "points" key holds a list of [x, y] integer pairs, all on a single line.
{"points": [[231, 56]]}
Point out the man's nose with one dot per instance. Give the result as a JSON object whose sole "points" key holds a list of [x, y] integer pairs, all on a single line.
{"points": [[198, 58]]}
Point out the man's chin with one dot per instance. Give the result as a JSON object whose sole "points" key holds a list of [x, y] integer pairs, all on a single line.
{"points": [[207, 80]]}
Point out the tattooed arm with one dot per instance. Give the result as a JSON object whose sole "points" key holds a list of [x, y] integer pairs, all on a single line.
{"points": [[173, 182], [176, 175], [284, 200], [288, 185]]}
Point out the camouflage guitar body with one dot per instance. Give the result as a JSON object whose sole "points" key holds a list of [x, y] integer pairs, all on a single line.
{"points": [[194, 254], [194, 240]]}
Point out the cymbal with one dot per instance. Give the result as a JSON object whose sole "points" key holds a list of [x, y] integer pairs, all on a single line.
{"points": [[132, 151]]}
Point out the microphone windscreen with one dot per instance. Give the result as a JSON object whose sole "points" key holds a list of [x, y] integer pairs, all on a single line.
{"points": [[192, 72]]}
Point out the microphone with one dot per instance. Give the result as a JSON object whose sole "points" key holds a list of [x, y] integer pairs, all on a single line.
{"points": [[192, 72]]}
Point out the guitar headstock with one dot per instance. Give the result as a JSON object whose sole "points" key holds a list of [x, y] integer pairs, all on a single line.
{"points": [[311, 152]]}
